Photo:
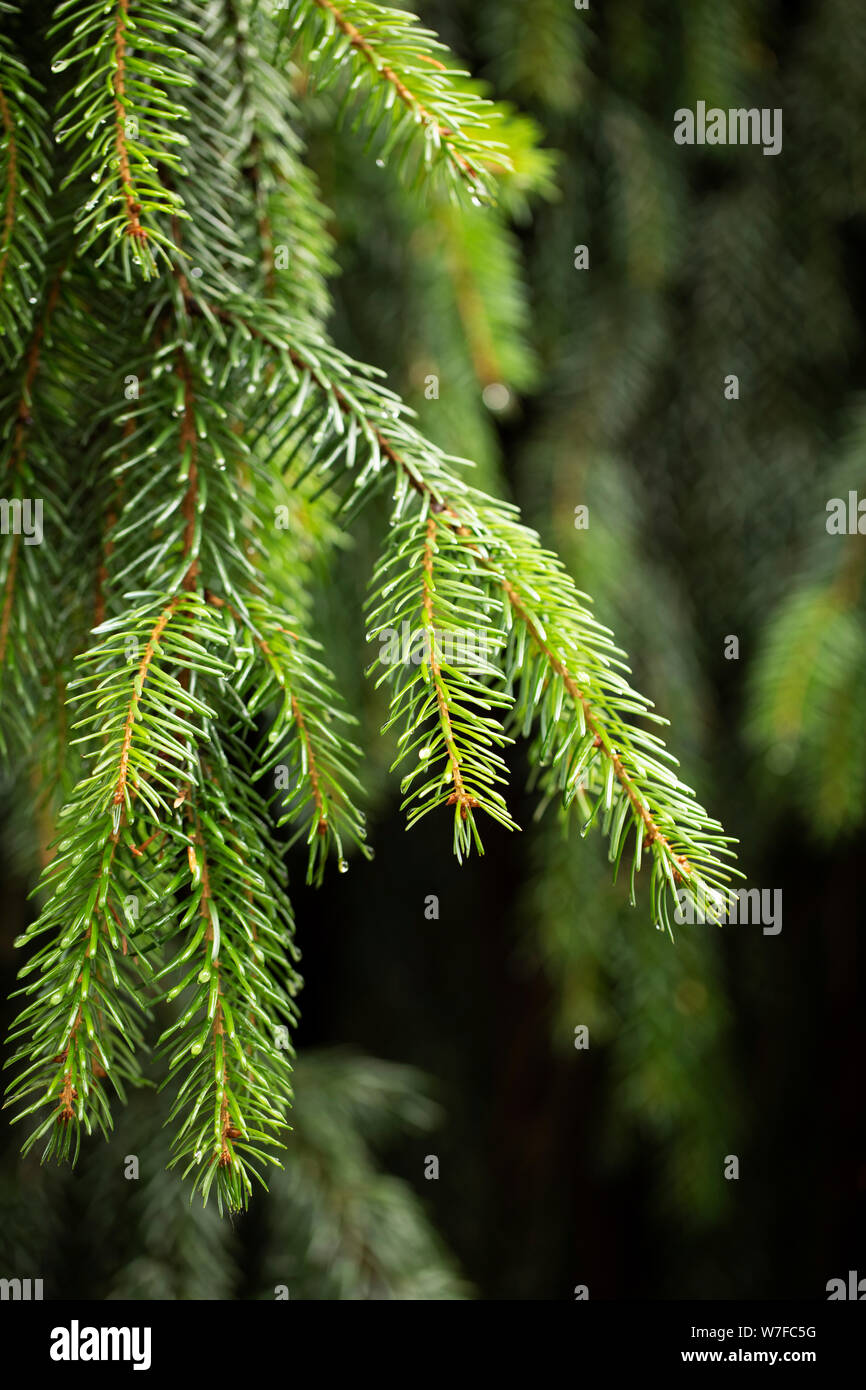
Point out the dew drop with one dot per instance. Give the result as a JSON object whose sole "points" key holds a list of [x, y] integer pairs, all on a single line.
{"points": [[342, 867], [195, 1049], [496, 396], [203, 977]]}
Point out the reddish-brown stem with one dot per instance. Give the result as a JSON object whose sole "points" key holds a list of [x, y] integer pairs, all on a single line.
{"points": [[134, 228], [218, 1029], [460, 796], [138, 850], [366, 49], [149, 653], [653, 834]]}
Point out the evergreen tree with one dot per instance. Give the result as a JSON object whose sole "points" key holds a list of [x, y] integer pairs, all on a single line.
{"points": [[182, 438]]}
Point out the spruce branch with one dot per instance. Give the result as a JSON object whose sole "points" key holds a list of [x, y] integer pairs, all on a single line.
{"points": [[438, 657], [202, 675], [570, 678], [804, 687], [804, 699], [357, 421], [441, 117], [291, 221], [33, 475], [336, 1205], [134, 707], [228, 1051], [306, 750], [26, 188], [119, 118], [354, 420], [81, 1028]]}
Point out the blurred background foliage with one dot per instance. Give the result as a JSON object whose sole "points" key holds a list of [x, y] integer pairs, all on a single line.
{"points": [[601, 387]]}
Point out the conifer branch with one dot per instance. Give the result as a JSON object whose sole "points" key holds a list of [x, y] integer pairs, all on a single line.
{"points": [[445, 121], [224, 1051], [11, 183], [202, 706], [28, 478], [688, 847], [436, 652], [311, 760], [122, 128], [290, 217], [25, 189], [129, 707]]}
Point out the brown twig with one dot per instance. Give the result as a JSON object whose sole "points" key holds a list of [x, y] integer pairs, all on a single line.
{"points": [[149, 653], [362, 46], [134, 228]]}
